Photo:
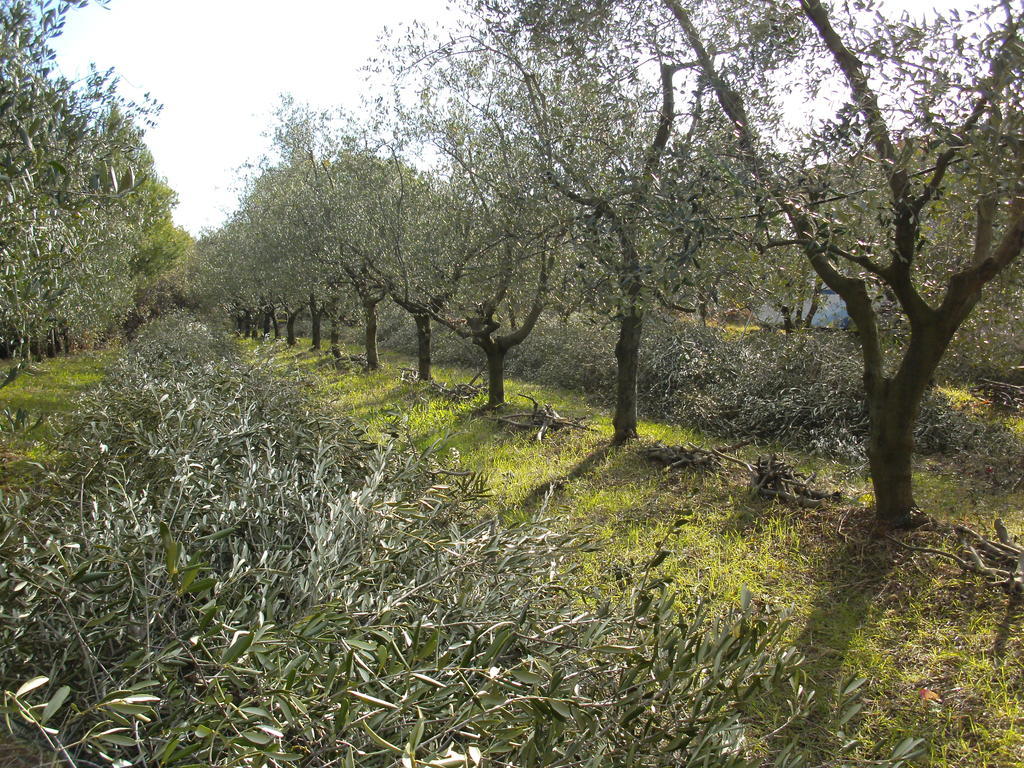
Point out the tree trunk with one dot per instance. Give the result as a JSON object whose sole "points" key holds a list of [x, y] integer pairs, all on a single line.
{"points": [[276, 323], [423, 346], [315, 315], [890, 456], [495, 371], [812, 310], [266, 323], [290, 327], [335, 336], [893, 407], [372, 359], [787, 320], [627, 358]]}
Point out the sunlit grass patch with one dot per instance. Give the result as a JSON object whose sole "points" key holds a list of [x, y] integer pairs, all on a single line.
{"points": [[42, 392]]}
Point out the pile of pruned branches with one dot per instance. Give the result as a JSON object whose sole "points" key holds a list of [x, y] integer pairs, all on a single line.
{"points": [[770, 476], [999, 560], [455, 392], [1000, 393], [686, 456], [773, 478], [539, 421], [343, 362]]}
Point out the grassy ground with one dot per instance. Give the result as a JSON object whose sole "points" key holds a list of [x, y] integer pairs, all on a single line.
{"points": [[43, 391], [943, 653]]}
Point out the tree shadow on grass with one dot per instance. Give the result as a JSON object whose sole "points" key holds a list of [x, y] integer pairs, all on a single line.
{"points": [[853, 577], [533, 500], [1008, 627]]}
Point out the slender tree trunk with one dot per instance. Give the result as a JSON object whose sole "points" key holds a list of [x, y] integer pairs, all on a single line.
{"points": [[627, 358], [372, 359], [495, 371], [812, 310], [335, 336], [787, 320], [51, 343], [66, 340], [423, 346], [266, 322], [315, 315], [276, 323], [290, 327]]}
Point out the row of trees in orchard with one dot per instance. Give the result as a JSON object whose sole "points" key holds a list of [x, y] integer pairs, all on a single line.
{"points": [[612, 157], [84, 221]]}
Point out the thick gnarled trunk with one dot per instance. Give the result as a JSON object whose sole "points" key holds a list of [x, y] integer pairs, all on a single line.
{"points": [[495, 353], [893, 407]]}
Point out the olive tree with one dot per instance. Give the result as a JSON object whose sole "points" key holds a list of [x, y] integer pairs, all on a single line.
{"points": [[931, 125]]}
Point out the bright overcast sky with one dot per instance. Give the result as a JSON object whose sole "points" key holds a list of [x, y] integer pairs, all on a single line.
{"points": [[219, 66]]}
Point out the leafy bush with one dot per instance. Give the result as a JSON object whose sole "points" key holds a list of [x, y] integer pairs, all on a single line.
{"points": [[236, 580], [802, 390]]}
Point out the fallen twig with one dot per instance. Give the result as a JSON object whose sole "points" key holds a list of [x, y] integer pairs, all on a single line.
{"points": [[1000, 561], [543, 418], [774, 478]]}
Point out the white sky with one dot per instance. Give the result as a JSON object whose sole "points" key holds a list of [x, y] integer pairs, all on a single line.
{"points": [[219, 66]]}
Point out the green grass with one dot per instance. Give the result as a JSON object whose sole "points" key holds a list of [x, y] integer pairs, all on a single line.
{"points": [[44, 391], [862, 606]]}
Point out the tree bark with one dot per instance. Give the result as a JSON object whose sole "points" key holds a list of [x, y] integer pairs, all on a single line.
{"points": [[893, 406], [495, 371], [315, 315], [276, 323], [890, 458], [290, 327], [423, 342], [335, 336], [627, 358], [372, 359]]}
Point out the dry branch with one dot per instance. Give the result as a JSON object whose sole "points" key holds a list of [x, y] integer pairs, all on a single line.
{"points": [[1000, 393], [773, 478], [1000, 561], [542, 419]]}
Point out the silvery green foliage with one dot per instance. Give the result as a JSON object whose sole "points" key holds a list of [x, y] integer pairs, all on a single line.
{"points": [[218, 576], [802, 390]]}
